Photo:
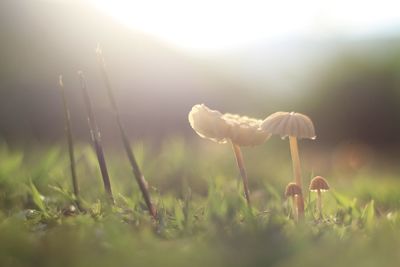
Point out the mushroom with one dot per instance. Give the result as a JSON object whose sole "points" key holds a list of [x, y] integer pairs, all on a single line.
{"points": [[319, 184], [294, 125], [221, 128], [293, 191]]}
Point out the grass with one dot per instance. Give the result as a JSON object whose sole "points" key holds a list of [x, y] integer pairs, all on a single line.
{"points": [[203, 216]]}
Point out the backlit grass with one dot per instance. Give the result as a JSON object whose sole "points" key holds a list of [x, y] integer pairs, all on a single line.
{"points": [[203, 216]]}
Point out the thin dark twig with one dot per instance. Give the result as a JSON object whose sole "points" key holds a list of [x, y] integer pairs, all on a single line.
{"points": [[96, 137], [131, 157], [70, 140]]}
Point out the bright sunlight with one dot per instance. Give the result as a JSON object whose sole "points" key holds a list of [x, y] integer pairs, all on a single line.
{"points": [[224, 24]]}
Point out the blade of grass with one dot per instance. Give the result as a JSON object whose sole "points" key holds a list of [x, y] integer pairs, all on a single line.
{"points": [[96, 137], [131, 157], [38, 199], [70, 140]]}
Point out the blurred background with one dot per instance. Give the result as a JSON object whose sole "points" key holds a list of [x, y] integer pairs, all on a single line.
{"points": [[336, 61]]}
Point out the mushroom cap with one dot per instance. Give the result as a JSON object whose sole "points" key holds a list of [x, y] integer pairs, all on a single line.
{"points": [[319, 183], [208, 123], [289, 124], [245, 131], [218, 127], [292, 189]]}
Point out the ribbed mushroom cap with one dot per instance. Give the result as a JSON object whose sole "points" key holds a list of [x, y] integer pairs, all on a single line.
{"points": [[319, 183], [292, 189], [245, 131], [289, 124]]}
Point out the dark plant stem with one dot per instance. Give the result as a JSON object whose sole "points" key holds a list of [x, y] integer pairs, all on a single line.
{"points": [[96, 137], [242, 170], [70, 140], [140, 179]]}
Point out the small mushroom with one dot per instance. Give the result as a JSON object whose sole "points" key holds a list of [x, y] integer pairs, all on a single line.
{"points": [[220, 128], [319, 184], [294, 125], [293, 191]]}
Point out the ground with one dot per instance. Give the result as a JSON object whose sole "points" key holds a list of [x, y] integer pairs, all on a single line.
{"points": [[203, 219]]}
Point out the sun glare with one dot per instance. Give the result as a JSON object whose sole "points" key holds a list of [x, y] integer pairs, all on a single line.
{"points": [[221, 24]]}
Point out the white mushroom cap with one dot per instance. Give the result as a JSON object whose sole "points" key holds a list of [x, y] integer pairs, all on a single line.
{"points": [[289, 124], [208, 123], [245, 131], [218, 127]]}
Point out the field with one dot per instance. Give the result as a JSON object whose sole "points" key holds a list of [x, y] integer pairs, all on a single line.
{"points": [[108, 158], [203, 219]]}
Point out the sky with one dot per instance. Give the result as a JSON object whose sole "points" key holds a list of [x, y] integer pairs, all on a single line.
{"points": [[226, 24], [164, 58]]}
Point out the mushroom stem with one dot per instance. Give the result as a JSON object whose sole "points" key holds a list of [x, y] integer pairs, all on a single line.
{"points": [[240, 163], [294, 151], [319, 202], [295, 212]]}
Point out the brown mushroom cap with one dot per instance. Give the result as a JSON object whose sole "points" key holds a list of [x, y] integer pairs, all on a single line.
{"points": [[289, 124], [292, 189], [319, 183]]}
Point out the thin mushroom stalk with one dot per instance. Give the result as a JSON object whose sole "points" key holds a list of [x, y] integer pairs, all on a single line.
{"points": [[319, 203], [140, 179], [240, 163], [294, 151], [294, 208]]}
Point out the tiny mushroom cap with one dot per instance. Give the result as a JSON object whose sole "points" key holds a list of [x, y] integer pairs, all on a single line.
{"points": [[289, 124], [208, 123], [245, 131], [292, 189], [319, 183]]}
